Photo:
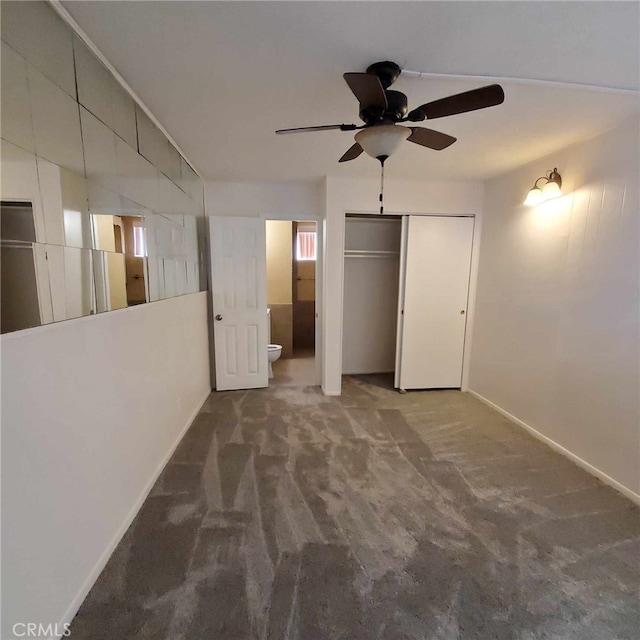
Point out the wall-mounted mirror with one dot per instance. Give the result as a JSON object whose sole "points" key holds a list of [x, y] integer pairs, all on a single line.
{"points": [[109, 262], [17, 222], [44, 283], [104, 217], [19, 303], [19, 308], [120, 258]]}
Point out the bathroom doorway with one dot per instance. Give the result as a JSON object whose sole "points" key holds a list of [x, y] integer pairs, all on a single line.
{"points": [[292, 247]]}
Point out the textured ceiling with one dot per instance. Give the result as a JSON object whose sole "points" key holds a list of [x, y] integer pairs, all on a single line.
{"points": [[222, 76]]}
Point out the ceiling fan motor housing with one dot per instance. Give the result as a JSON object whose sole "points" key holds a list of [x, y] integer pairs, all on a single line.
{"points": [[395, 111], [387, 72]]}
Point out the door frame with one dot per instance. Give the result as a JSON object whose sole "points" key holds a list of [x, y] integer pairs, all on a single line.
{"points": [[319, 220]]}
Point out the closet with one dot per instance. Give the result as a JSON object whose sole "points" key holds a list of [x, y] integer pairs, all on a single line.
{"points": [[370, 306], [406, 289]]}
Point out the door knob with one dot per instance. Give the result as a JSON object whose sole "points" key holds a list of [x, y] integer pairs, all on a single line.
{"points": [[218, 317], [462, 312]]}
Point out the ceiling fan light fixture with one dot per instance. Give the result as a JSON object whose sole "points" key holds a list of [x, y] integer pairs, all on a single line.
{"points": [[382, 140]]}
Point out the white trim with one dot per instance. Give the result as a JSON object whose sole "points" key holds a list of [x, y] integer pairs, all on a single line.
{"points": [[589, 468], [472, 300], [111, 547], [294, 217], [327, 388], [59, 8]]}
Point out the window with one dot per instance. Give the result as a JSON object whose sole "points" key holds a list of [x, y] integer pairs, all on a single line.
{"points": [[306, 245], [139, 248]]}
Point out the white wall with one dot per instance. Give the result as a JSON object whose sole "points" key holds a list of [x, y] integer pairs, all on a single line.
{"points": [[556, 339], [269, 200], [356, 195], [279, 261], [91, 410]]}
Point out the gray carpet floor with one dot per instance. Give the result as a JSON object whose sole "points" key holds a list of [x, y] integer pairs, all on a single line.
{"points": [[284, 514]]}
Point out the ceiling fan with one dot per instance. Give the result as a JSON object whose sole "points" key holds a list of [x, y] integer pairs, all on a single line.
{"points": [[383, 110]]}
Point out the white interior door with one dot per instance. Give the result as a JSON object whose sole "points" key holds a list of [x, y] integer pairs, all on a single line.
{"points": [[433, 301], [239, 292]]}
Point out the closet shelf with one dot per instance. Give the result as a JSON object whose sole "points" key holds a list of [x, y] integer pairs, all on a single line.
{"points": [[366, 253]]}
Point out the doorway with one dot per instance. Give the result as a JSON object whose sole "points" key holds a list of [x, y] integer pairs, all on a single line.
{"points": [[291, 249], [120, 267]]}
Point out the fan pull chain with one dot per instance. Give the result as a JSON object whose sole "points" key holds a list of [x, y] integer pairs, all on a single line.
{"points": [[382, 159]]}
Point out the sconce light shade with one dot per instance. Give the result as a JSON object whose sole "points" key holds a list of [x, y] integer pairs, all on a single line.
{"points": [[553, 187], [534, 197], [550, 189], [382, 140]]}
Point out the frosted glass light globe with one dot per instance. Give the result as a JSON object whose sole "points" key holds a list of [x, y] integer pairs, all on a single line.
{"points": [[382, 140]]}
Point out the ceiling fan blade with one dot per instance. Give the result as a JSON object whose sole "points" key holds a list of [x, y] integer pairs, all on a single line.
{"points": [[430, 138], [352, 153], [326, 127], [368, 89], [488, 96]]}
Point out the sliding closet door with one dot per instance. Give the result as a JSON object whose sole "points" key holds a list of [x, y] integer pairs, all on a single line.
{"points": [[434, 294]]}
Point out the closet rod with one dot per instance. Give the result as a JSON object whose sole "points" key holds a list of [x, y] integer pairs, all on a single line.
{"points": [[376, 251], [18, 244], [373, 257], [354, 253]]}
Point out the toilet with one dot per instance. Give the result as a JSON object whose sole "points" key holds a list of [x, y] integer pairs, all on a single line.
{"points": [[274, 351]]}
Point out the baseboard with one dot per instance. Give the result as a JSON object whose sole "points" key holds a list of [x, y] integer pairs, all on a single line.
{"points": [[330, 392], [625, 491], [104, 558]]}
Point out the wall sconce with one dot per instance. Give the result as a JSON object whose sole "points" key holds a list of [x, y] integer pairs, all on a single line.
{"points": [[550, 189]]}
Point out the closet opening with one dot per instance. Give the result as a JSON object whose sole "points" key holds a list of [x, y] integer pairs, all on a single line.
{"points": [[406, 292], [371, 290], [291, 301]]}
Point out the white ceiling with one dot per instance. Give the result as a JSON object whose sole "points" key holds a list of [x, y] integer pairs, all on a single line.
{"points": [[222, 76]]}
